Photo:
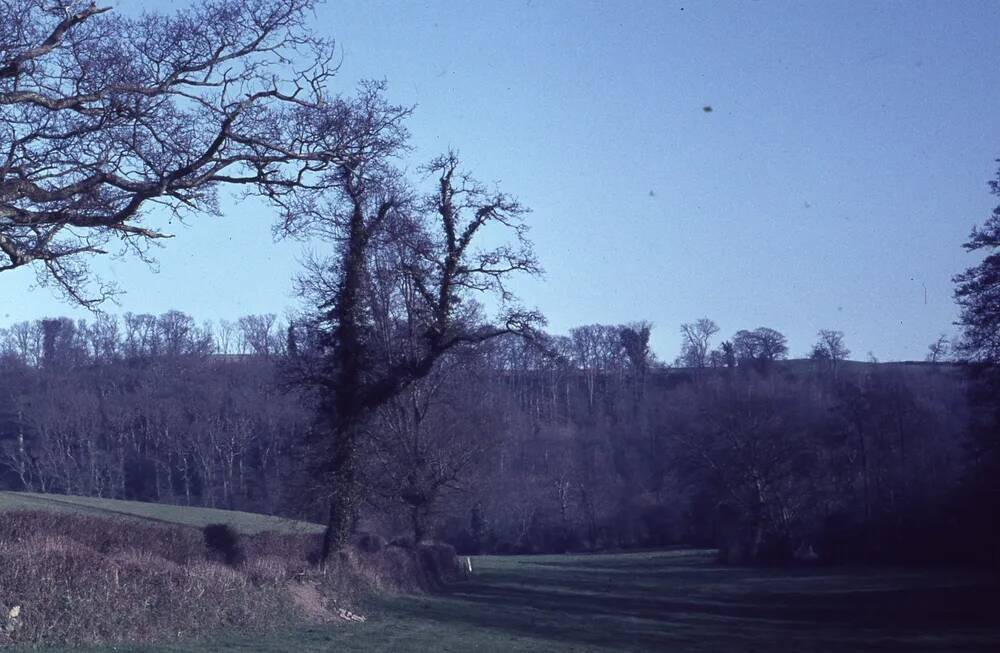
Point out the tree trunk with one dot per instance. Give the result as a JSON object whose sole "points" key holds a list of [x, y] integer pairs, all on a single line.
{"points": [[342, 409], [416, 520], [344, 492]]}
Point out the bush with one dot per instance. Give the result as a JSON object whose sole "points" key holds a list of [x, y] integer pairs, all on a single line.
{"points": [[440, 562], [223, 543], [503, 548]]}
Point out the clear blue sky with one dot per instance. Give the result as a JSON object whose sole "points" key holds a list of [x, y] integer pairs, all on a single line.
{"points": [[841, 168]]}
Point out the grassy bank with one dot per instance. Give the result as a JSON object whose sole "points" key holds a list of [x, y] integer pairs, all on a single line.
{"points": [[666, 601], [88, 571]]}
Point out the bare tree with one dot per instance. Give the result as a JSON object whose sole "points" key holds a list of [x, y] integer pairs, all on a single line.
{"points": [[179, 335], [586, 348], [830, 346], [752, 449], [259, 333], [104, 337], [695, 346], [939, 350], [225, 340], [599, 350], [830, 349], [25, 341], [103, 116], [431, 243], [427, 441], [142, 338]]}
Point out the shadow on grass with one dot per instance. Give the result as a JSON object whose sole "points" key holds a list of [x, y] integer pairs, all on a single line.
{"points": [[653, 602]]}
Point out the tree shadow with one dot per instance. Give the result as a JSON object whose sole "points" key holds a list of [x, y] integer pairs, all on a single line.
{"points": [[653, 604]]}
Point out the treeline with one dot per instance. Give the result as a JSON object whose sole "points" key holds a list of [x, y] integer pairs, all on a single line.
{"points": [[149, 407], [560, 443], [63, 342], [769, 459]]}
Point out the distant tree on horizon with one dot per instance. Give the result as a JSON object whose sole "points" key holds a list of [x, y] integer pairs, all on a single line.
{"points": [[830, 349], [939, 350], [761, 346], [696, 348]]}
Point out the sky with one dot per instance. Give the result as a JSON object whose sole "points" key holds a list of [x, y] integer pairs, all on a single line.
{"points": [[842, 165]]}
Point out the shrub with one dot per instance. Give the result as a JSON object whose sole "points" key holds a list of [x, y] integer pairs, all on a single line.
{"points": [[223, 543], [439, 562]]}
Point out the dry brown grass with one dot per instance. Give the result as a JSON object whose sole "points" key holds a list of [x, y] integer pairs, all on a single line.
{"points": [[80, 579]]}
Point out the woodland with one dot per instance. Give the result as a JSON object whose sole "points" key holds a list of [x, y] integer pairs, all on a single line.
{"points": [[414, 394]]}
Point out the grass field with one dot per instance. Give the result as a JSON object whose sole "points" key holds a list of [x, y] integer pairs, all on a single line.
{"points": [[664, 601], [244, 522]]}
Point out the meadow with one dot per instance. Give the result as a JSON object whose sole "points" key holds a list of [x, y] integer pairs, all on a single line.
{"points": [[678, 600]]}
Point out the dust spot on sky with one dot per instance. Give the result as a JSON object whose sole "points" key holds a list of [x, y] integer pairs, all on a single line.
{"points": [[707, 108]]}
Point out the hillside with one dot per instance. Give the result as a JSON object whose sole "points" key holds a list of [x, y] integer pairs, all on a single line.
{"points": [[244, 522]]}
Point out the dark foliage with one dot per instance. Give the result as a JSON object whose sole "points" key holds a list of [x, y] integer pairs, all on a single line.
{"points": [[977, 291], [223, 543], [439, 562], [369, 542]]}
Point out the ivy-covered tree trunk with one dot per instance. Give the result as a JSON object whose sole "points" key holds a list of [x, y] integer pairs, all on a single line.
{"points": [[376, 213], [342, 408], [344, 493]]}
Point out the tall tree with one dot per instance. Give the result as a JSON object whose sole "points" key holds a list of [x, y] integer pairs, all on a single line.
{"points": [[695, 346], [427, 245], [977, 290]]}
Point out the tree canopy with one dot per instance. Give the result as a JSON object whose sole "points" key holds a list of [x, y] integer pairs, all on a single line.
{"points": [[103, 116]]}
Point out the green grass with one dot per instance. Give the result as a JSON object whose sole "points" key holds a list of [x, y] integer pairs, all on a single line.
{"points": [[245, 522], [660, 601]]}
